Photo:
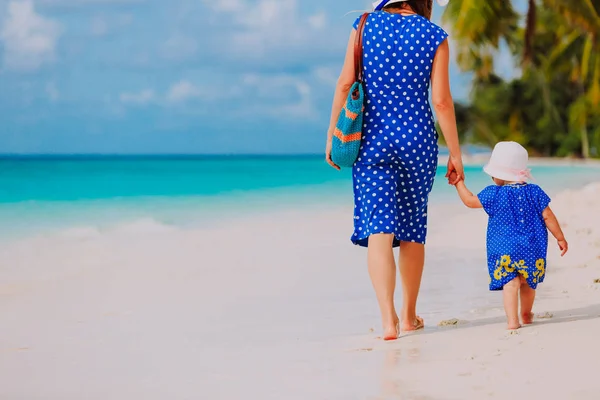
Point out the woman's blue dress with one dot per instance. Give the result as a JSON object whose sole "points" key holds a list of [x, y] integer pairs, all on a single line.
{"points": [[396, 166]]}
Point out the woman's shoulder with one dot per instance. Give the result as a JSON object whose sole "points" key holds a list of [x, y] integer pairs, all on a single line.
{"points": [[417, 21], [375, 17], [433, 28]]}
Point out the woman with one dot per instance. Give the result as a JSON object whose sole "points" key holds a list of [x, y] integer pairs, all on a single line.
{"points": [[404, 54]]}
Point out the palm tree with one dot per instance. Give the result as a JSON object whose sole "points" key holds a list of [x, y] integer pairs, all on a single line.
{"points": [[571, 29], [579, 51], [479, 26]]}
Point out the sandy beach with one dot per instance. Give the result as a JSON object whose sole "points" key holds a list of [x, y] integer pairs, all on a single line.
{"points": [[279, 306]]}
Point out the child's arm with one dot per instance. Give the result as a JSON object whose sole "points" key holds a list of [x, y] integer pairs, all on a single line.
{"points": [[467, 197], [554, 228]]}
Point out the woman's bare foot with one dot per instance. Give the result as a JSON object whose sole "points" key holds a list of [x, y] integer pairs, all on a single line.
{"points": [[512, 325], [527, 318], [392, 332], [415, 325]]}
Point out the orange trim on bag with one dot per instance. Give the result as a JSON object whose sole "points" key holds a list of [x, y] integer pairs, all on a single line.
{"points": [[347, 138], [349, 114]]}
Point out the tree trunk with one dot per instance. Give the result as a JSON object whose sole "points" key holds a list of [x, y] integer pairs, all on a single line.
{"points": [[585, 139], [530, 31], [585, 142]]}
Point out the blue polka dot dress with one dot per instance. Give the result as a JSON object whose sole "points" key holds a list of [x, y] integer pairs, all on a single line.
{"points": [[517, 236], [396, 166]]}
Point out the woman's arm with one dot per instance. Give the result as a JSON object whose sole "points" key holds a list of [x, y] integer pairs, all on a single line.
{"points": [[444, 106], [554, 228], [342, 88]]}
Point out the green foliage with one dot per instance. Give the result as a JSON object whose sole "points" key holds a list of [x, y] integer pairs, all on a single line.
{"points": [[553, 107]]}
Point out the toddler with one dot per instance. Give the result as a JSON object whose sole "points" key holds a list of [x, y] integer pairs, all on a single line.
{"points": [[517, 235]]}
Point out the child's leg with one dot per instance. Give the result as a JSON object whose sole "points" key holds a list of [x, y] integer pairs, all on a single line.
{"points": [[527, 299], [510, 293]]}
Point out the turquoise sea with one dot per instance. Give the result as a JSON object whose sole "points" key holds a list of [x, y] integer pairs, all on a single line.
{"points": [[40, 193]]}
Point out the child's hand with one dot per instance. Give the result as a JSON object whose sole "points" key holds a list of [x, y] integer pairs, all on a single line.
{"points": [[452, 177], [564, 247]]}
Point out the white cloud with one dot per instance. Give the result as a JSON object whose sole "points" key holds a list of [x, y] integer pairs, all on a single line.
{"points": [[80, 3], [318, 21], [281, 96], [327, 74], [29, 39], [179, 47], [228, 6], [272, 27], [182, 91], [143, 97], [178, 92], [99, 26], [52, 91]]}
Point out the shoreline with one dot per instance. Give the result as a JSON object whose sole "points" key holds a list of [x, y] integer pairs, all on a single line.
{"points": [[480, 159]]}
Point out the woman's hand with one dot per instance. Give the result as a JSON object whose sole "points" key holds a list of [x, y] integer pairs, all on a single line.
{"points": [[456, 170], [328, 155]]}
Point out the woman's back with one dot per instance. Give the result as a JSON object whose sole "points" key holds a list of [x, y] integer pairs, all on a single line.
{"points": [[398, 54]]}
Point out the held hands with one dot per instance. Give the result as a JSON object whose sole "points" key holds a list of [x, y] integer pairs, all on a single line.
{"points": [[563, 246], [456, 171], [453, 177]]}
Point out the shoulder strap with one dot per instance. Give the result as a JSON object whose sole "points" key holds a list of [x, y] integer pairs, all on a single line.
{"points": [[358, 48]]}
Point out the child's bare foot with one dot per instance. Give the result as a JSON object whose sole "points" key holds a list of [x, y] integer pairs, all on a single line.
{"points": [[527, 318]]}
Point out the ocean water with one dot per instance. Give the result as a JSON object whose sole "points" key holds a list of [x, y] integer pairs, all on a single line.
{"points": [[39, 194]]}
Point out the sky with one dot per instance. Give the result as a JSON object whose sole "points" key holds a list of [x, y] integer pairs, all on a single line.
{"points": [[172, 76]]}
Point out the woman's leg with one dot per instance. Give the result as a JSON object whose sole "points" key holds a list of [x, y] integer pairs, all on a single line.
{"points": [[411, 261], [382, 270], [510, 292], [527, 299]]}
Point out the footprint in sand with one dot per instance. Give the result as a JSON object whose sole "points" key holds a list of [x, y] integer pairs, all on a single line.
{"points": [[597, 280], [451, 322], [365, 350], [546, 315]]}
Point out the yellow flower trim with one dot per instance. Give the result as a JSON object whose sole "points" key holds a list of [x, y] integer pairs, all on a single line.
{"points": [[541, 266], [505, 261], [524, 273], [498, 274]]}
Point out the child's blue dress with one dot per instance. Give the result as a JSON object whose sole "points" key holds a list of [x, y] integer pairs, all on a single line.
{"points": [[517, 236]]}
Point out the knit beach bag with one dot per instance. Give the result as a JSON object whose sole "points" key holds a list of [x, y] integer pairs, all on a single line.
{"points": [[347, 135]]}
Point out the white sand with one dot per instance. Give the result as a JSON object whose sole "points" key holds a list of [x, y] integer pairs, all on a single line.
{"points": [[280, 307]]}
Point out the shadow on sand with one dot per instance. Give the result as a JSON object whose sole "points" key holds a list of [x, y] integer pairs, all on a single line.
{"points": [[559, 317]]}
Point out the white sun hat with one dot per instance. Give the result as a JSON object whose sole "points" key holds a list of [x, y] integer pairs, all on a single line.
{"points": [[509, 163], [378, 5]]}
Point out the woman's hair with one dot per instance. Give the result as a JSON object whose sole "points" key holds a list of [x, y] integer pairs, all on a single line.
{"points": [[421, 7]]}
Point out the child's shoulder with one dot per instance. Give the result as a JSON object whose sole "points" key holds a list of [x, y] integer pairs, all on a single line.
{"points": [[533, 186], [535, 190], [490, 190]]}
